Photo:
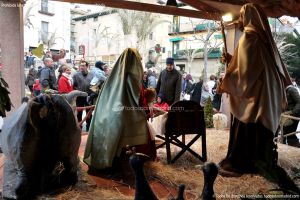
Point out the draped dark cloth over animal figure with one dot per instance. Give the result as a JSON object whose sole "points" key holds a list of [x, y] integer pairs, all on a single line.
{"points": [[255, 79], [5, 103], [41, 141]]}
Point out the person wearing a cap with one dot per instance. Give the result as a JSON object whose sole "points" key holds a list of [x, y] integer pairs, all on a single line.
{"points": [[169, 83], [98, 73], [161, 104]]}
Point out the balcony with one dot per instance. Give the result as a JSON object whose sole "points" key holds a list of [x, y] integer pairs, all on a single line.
{"points": [[189, 28], [182, 54], [183, 27], [205, 26]]}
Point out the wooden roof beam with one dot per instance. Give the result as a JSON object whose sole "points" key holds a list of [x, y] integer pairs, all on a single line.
{"points": [[201, 6], [146, 7]]}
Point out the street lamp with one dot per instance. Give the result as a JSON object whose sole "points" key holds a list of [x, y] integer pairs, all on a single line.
{"points": [[227, 17]]}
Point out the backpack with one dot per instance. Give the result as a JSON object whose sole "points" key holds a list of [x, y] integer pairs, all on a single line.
{"points": [[96, 88], [39, 73]]}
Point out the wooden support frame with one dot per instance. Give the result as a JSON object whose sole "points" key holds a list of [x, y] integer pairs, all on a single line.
{"points": [[146, 7]]}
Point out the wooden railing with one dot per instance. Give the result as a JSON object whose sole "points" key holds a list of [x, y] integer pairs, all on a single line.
{"points": [[281, 137], [88, 114]]}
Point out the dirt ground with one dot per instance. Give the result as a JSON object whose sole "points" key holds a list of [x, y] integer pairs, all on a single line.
{"points": [[165, 179]]}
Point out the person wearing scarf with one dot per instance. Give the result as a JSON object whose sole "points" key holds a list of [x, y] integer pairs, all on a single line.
{"points": [[65, 81], [255, 80], [119, 118]]}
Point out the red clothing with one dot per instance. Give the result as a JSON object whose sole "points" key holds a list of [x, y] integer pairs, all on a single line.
{"points": [[163, 106], [149, 148], [36, 86], [64, 85], [143, 103], [142, 100]]}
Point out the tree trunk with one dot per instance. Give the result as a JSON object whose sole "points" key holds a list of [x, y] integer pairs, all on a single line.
{"points": [[205, 62]]}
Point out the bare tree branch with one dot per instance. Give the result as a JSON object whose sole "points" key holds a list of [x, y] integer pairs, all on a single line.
{"points": [[28, 14]]}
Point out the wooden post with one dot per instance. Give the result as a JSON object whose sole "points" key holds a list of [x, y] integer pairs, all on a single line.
{"points": [[12, 49]]}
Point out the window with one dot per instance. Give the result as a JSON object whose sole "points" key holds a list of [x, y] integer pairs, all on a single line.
{"points": [[176, 24], [44, 5], [44, 26], [181, 67], [175, 49], [73, 36], [151, 36], [44, 30]]}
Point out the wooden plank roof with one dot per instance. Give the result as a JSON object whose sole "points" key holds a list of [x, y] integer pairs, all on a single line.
{"points": [[206, 9]]}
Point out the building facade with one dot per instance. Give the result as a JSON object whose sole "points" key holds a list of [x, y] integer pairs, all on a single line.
{"points": [[47, 22], [100, 36]]}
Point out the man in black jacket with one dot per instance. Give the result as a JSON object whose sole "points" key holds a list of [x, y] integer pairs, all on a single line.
{"points": [[197, 89], [169, 82], [81, 82], [47, 76]]}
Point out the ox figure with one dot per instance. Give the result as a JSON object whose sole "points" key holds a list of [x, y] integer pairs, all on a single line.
{"points": [[41, 140]]}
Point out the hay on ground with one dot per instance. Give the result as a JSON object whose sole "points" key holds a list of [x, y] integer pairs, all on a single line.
{"points": [[185, 171]]}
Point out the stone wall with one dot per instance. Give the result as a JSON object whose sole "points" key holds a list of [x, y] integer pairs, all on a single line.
{"points": [[12, 55]]}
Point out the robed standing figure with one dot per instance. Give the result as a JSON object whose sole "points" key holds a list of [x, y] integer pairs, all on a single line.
{"points": [[120, 118], [255, 79]]}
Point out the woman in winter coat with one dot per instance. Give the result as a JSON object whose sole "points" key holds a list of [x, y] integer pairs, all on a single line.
{"points": [[65, 81]]}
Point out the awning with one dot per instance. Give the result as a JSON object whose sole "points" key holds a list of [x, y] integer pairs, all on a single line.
{"points": [[176, 39]]}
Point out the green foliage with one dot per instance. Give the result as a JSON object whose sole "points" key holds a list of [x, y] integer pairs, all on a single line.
{"points": [[293, 63], [208, 114]]}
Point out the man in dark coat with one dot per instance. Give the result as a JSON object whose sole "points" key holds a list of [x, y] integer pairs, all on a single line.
{"points": [[197, 89], [169, 82], [47, 76], [81, 82]]}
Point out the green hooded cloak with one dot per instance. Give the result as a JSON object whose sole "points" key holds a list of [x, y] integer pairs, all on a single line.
{"points": [[118, 120]]}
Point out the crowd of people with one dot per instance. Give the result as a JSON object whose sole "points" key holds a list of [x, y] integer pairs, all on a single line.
{"points": [[256, 91], [170, 85], [63, 77], [235, 90]]}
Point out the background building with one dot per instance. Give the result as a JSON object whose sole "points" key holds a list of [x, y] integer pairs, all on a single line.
{"points": [[102, 36], [47, 22]]}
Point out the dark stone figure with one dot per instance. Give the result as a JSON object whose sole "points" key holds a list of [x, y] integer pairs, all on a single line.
{"points": [[40, 140], [210, 172], [143, 190], [180, 195]]}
